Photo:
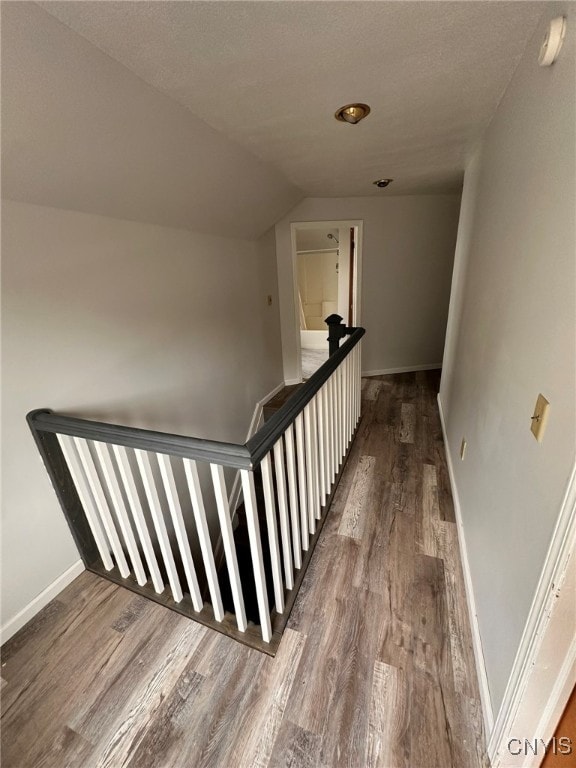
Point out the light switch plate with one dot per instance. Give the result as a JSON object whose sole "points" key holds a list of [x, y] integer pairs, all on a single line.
{"points": [[540, 417]]}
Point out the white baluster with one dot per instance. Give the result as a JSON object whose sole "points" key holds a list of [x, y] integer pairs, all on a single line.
{"points": [[353, 367], [301, 457], [350, 404], [291, 471], [256, 551], [86, 500], [180, 529], [229, 546], [199, 511], [315, 452], [326, 432], [332, 418], [111, 480], [343, 409], [321, 448], [270, 508], [356, 384], [283, 513], [159, 524], [311, 503], [340, 412], [101, 504], [359, 379], [138, 516], [347, 403]]}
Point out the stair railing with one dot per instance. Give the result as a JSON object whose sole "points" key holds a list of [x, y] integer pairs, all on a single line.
{"points": [[129, 496]]}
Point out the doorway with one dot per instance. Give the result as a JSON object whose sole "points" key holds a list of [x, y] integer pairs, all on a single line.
{"points": [[326, 268]]}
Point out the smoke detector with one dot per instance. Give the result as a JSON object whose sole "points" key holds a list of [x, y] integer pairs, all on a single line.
{"points": [[552, 42]]}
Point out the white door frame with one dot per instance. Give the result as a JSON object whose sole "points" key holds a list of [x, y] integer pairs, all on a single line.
{"points": [[358, 224], [544, 671]]}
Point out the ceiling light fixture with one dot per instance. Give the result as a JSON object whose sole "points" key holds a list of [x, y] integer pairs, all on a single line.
{"points": [[381, 183], [352, 113]]}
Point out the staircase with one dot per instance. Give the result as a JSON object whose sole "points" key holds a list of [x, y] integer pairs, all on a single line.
{"points": [[241, 535], [279, 399], [244, 556], [150, 511]]}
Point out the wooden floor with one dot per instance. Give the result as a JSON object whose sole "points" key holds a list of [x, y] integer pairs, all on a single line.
{"points": [[375, 668]]}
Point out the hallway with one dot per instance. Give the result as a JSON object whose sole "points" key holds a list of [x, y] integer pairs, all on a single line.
{"points": [[375, 669]]}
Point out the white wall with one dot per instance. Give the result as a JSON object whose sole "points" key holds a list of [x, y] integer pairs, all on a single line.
{"points": [[149, 323], [463, 243], [512, 333], [407, 257], [82, 132], [318, 286], [130, 323]]}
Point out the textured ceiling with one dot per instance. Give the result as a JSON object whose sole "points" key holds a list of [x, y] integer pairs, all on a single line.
{"points": [[270, 75]]}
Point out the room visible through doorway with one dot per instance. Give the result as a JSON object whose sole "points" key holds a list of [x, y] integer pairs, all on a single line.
{"points": [[326, 266]]}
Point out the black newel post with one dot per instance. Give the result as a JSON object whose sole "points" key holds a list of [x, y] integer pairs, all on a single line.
{"points": [[336, 331]]}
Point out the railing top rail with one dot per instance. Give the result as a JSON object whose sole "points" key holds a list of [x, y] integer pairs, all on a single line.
{"points": [[227, 454], [233, 455], [264, 439]]}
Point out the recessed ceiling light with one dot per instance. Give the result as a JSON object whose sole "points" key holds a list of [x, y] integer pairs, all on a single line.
{"points": [[352, 113], [381, 183]]}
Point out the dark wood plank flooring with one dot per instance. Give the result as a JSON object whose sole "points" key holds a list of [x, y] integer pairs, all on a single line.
{"points": [[375, 668]]}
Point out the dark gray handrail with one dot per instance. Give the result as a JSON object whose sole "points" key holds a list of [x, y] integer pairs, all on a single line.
{"points": [[227, 454], [264, 439], [234, 455]]}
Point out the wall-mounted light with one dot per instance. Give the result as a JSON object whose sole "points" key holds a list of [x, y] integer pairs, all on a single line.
{"points": [[382, 183], [352, 113]]}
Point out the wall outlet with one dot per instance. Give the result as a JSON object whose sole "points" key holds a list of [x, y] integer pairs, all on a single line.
{"points": [[463, 445]]}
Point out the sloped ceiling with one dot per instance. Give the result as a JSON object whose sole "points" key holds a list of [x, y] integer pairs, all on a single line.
{"points": [[82, 132], [239, 120]]}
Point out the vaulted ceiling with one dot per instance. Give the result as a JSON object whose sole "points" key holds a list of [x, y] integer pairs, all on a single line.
{"points": [[219, 115]]}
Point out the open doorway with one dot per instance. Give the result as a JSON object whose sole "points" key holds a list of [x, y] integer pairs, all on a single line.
{"points": [[326, 260]]}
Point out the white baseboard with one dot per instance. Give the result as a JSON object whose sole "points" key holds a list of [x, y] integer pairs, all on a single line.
{"points": [[257, 415], [291, 382], [485, 698], [35, 606], [403, 369]]}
